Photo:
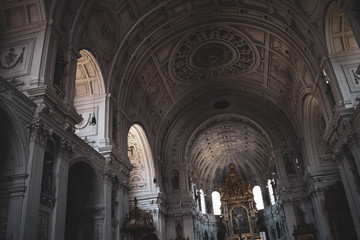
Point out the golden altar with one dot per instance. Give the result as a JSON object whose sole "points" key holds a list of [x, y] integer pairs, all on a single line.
{"points": [[239, 214]]}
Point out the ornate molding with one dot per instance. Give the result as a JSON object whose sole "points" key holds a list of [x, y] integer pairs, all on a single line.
{"points": [[317, 190], [38, 132], [211, 53], [10, 59], [65, 147], [345, 149]]}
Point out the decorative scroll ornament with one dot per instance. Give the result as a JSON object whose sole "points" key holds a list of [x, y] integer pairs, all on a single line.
{"points": [[10, 59], [356, 75]]}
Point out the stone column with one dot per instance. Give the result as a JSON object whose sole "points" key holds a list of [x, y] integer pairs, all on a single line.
{"points": [[16, 201], [188, 227], [123, 203], [350, 185], [120, 211], [29, 219], [108, 178], [161, 216], [57, 231], [290, 217], [354, 147], [322, 219], [99, 217]]}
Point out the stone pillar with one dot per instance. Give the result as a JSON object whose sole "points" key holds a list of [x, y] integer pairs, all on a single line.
{"points": [[322, 218], [99, 217], [16, 200], [61, 182], [350, 185], [108, 179], [120, 212], [290, 217], [30, 214], [124, 203], [188, 226], [161, 216], [354, 147]]}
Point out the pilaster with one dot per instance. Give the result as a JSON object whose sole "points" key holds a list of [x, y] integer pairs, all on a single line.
{"points": [[290, 217], [38, 134], [16, 202], [108, 180], [351, 184], [61, 181], [317, 194]]}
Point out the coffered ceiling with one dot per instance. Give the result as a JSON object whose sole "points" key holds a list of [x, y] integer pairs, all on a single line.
{"points": [[213, 82], [184, 57]]}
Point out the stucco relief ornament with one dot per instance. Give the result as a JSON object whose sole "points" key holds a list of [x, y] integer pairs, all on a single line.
{"points": [[10, 59], [211, 53], [38, 132]]}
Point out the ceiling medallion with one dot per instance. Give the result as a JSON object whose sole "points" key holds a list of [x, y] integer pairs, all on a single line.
{"points": [[211, 53]]}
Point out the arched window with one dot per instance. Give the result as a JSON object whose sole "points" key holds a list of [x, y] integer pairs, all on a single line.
{"points": [[202, 199], [258, 198], [216, 202], [90, 101], [143, 174], [271, 191]]}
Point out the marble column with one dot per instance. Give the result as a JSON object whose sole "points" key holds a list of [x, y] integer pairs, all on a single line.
{"points": [[57, 231], [38, 137]]}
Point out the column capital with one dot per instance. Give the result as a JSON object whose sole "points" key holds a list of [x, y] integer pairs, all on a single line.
{"points": [[38, 132], [110, 177]]}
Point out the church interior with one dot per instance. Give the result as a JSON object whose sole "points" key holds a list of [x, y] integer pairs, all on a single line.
{"points": [[179, 120]]}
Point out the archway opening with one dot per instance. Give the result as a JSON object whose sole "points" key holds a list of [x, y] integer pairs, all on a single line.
{"points": [[143, 181], [142, 177], [83, 198], [8, 157]]}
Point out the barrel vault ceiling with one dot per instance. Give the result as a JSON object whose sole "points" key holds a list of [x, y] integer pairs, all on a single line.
{"points": [[213, 82]]}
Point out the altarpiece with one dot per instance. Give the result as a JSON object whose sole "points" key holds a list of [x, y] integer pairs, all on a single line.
{"points": [[238, 208]]}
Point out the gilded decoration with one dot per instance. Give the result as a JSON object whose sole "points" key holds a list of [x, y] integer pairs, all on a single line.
{"points": [[238, 211]]}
